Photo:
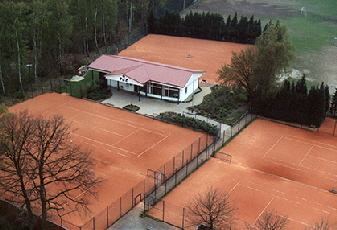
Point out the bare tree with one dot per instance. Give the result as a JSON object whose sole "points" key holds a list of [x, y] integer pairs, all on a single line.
{"points": [[211, 208], [323, 224], [270, 221], [41, 167]]}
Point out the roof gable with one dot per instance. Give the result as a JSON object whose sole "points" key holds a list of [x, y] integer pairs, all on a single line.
{"points": [[143, 71]]}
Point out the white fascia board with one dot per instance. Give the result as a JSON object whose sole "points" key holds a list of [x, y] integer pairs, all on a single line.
{"points": [[123, 78], [168, 85], [99, 70]]}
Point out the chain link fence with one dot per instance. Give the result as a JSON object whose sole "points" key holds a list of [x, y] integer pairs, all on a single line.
{"points": [[171, 213]]}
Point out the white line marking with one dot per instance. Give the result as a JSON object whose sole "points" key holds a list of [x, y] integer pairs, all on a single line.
{"points": [[273, 146]]}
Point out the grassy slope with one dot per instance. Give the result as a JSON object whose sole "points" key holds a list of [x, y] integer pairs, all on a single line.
{"points": [[310, 34]]}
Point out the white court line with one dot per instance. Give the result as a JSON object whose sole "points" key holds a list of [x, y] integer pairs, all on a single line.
{"points": [[263, 210], [295, 199], [233, 188], [272, 146], [102, 117], [108, 131], [316, 143], [107, 150], [108, 117], [306, 155], [330, 176], [152, 146]]}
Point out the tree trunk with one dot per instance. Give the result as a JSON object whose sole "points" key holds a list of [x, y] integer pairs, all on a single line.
{"points": [[130, 19], [35, 55], [103, 28], [19, 59], [2, 81], [60, 54], [26, 198], [43, 199], [96, 42], [86, 46]]}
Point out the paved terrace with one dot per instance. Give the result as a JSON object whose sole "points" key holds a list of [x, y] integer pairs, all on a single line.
{"points": [[150, 106]]}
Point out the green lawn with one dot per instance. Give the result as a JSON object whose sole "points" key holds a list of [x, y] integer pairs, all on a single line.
{"points": [[310, 35]]}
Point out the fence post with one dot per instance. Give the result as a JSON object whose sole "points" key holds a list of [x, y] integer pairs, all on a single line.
{"points": [[199, 146], [186, 168], [174, 164], [191, 151], [182, 159], [163, 210], [94, 222], [120, 206], [183, 218], [132, 197], [165, 186], [107, 216]]}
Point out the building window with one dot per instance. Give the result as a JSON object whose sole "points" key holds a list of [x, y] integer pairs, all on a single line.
{"points": [[155, 88], [171, 92]]}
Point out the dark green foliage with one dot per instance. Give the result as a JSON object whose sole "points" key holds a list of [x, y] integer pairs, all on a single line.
{"points": [[221, 103], [190, 122], [96, 93], [206, 26], [131, 107], [293, 103], [20, 95], [333, 107]]}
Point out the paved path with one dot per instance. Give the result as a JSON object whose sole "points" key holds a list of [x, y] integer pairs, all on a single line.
{"points": [[132, 221], [148, 105]]}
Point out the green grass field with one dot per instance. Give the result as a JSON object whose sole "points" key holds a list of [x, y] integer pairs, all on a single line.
{"points": [[312, 36]]}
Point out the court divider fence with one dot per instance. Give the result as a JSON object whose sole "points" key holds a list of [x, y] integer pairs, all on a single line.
{"points": [[161, 181], [176, 215]]}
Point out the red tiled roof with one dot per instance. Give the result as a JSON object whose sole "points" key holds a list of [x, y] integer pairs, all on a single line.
{"points": [[143, 71]]}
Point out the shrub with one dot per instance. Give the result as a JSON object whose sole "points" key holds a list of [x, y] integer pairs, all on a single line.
{"points": [[190, 122]]}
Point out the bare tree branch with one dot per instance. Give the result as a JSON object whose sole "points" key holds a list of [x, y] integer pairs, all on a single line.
{"points": [[322, 224], [42, 166], [270, 220], [211, 208]]}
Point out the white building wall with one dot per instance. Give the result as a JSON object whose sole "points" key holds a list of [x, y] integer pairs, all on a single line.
{"points": [[191, 86], [184, 92]]}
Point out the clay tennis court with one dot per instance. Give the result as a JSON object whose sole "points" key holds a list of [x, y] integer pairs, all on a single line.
{"points": [[274, 168], [123, 144], [205, 55]]}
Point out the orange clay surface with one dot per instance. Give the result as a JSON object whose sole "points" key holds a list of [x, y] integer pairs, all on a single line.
{"points": [[274, 168], [329, 127], [205, 55], [123, 144]]}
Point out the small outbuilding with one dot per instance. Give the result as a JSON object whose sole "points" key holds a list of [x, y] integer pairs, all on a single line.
{"points": [[147, 78]]}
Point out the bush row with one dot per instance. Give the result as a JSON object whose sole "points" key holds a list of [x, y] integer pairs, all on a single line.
{"points": [[295, 103], [189, 122]]}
